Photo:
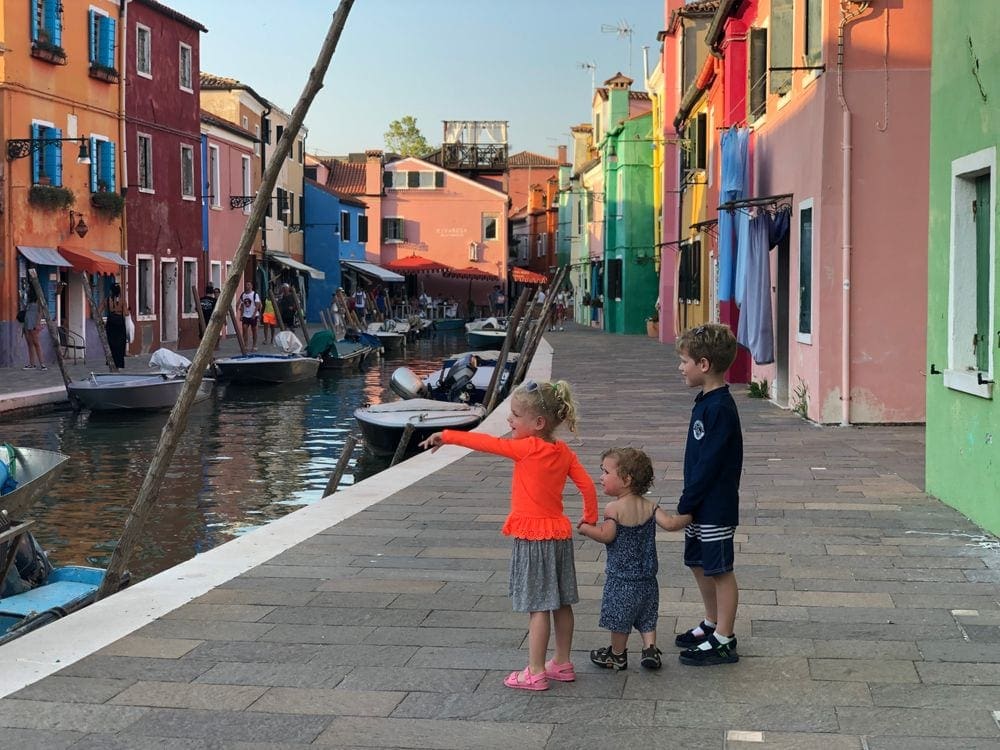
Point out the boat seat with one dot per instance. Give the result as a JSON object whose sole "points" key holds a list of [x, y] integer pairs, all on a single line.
{"points": [[57, 594], [72, 343]]}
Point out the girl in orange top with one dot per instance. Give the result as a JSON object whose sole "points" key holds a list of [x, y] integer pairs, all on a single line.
{"points": [[542, 571]]}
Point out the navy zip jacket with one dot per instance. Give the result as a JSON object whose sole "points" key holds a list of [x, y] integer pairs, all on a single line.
{"points": [[713, 460]]}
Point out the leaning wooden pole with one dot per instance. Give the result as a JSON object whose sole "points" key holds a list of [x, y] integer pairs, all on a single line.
{"points": [[177, 420], [300, 316], [493, 390], [531, 344], [345, 456]]}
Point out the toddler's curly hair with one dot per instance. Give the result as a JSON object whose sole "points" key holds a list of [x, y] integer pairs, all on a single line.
{"points": [[633, 465]]}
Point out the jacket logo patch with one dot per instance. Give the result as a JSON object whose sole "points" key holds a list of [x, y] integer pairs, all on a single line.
{"points": [[698, 429]]}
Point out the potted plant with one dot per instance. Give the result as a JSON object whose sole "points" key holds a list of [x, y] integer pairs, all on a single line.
{"points": [[103, 72], [107, 202], [50, 197], [43, 48]]}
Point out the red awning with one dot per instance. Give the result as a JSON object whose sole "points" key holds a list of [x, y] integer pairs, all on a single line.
{"points": [[414, 264], [524, 276], [89, 261], [472, 274]]}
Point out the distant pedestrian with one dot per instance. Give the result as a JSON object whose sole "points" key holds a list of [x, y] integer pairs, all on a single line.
{"points": [[713, 462], [29, 329], [270, 321], [498, 301], [207, 303], [117, 310], [360, 304], [542, 571], [631, 593], [559, 319], [287, 307], [250, 309]]}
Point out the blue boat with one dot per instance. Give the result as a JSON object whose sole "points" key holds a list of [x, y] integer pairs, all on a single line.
{"points": [[65, 590]]}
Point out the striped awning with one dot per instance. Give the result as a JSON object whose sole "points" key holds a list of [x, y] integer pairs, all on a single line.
{"points": [[43, 256]]}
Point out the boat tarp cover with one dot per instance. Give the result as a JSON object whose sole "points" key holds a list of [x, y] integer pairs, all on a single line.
{"points": [[418, 404], [320, 342]]}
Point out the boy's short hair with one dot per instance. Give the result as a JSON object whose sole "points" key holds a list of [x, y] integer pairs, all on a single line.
{"points": [[712, 341], [635, 464]]}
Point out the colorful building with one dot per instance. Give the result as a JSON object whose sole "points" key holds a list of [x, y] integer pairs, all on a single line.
{"points": [[963, 315], [162, 179], [61, 194]]}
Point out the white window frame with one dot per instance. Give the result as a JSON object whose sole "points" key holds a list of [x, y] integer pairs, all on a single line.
{"points": [[801, 337], [214, 180], [247, 177], [396, 240], [140, 137], [148, 72], [187, 196], [151, 291], [186, 262], [189, 88], [958, 375]]}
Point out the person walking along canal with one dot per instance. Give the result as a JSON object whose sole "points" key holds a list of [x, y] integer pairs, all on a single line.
{"points": [[117, 309], [29, 329], [249, 312]]}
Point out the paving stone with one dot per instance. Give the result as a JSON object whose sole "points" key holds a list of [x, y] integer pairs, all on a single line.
{"points": [[341, 634], [275, 675], [723, 690], [226, 726], [917, 722], [264, 583], [506, 706], [275, 597], [781, 718], [136, 668], [328, 702], [468, 658], [875, 650], [214, 612], [482, 637], [352, 600], [832, 599], [948, 673], [462, 602], [368, 656], [250, 651], [859, 631], [406, 679], [797, 741], [603, 736], [104, 741], [157, 648], [380, 586], [985, 697], [203, 630], [64, 716], [347, 616], [430, 733], [73, 689], [191, 695], [916, 743], [863, 670]]}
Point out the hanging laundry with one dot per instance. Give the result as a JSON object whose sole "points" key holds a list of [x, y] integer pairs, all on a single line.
{"points": [[734, 182], [756, 327]]}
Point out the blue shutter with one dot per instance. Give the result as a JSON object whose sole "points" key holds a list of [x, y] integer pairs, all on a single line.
{"points": [[110, 173], [34, 19], [56, 152], [36, 132], [52, 21], [93, 165], [107, 42], [92, 36]]}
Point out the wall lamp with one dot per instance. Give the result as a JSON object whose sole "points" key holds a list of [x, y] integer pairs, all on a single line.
{"points": [[77, 224], [18, 148]]}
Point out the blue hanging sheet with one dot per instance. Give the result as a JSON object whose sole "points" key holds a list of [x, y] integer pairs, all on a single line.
{"points": [[731, 225]]}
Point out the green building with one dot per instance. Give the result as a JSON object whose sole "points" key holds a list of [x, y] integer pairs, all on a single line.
{"points": [[963, 326]]}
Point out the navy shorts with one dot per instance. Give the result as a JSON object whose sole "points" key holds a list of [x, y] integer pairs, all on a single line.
{"points": [[709, 547]]}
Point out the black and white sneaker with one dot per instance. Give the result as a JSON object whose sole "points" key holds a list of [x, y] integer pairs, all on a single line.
{"points": [[718, 653], [689, 640], [651, 658], [607, 658]]}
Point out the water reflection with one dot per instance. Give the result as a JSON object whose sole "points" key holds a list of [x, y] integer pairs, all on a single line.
{"points": [[248, 456]]}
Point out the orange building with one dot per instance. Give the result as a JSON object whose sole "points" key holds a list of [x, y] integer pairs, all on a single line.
{"points": [[61, 106]]}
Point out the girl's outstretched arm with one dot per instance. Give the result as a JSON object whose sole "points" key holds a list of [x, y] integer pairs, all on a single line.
{"points": [[433, 442], [585, 484]]}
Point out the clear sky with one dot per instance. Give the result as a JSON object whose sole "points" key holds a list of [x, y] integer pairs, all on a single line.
{"points": [[514, 60]]}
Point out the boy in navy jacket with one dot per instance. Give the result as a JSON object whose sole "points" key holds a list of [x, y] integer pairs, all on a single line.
{"points": [[713, 462]]}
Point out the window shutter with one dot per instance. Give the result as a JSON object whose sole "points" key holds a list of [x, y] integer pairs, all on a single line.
{"points": [[387, 179], [94, 171], [55, 150], [36, 157], [362, 228], [107, 40], [92, 36], [413, 179], [782, 14], [52, 21], [385, 229], [701, 154], [108, 167], [34, 19], [439, 179], [983, 253], [758, 73]]}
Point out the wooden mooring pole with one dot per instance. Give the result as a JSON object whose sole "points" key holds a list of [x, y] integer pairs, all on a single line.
{"points": [[341, 467], [492, 395], [404, 443]]}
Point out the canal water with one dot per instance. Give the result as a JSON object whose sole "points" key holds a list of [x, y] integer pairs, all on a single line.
{"points": [[249, 455]]}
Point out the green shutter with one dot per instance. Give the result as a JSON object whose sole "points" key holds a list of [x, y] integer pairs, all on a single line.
{"points": [[782, 14], [983, 253]]}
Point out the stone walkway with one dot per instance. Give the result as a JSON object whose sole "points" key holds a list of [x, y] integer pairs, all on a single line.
{"points": [[869, 612]]}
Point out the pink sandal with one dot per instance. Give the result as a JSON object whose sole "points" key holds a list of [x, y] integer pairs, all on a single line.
{"points": [[524, 680], [560, 672]]}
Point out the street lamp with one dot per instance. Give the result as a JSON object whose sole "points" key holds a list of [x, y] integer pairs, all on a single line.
{"points": [[18, 148]]}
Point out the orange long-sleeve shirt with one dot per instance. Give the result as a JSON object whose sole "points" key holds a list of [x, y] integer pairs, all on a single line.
{"points": [[540, 472]]}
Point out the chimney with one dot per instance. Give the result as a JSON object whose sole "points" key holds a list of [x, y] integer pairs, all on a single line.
{"points": [[373, 172], [562, 155]]}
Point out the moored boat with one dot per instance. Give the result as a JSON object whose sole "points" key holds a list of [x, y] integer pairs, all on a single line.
{"points": [[383, 424], [110, 391], [486, 333], [391, 334], [266, 369], [30, 471], [338, 355]]}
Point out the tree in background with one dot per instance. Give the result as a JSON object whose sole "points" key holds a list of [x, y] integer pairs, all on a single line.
{"points": [[404, 138]]}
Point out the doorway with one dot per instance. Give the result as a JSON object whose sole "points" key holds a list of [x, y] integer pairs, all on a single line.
{"points": [[168, 300], [782, 282]]}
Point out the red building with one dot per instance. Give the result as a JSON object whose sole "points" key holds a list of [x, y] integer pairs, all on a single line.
{"points": [[163, 183]]}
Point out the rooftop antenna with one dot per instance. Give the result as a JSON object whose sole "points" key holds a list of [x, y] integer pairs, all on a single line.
{"points": [[623, 31], [592, 67]]}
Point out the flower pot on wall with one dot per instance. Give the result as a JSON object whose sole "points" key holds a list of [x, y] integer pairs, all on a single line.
{"points": [[653, 328]]}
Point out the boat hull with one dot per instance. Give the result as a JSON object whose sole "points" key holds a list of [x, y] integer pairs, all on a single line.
{"points": [[382, 425], [449, 324], [65, 591], [35, 471], [144, 392], [485, 339], [266, 369]]}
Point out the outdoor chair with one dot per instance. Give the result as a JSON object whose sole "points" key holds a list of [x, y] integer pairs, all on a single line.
{"points": [[72, 343]]}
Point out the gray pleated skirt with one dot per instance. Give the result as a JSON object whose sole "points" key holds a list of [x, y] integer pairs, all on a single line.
{"points": [[542, 575]]}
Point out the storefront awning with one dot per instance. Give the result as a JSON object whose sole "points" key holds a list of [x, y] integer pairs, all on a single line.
{"points": [[287, 262], [43, 256], [371, 269], [413, 264], [89, 261], [113, 257]]}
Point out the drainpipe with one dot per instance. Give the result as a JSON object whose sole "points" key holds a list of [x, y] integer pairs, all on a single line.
{"points": [[846, 16], [122, 137]]}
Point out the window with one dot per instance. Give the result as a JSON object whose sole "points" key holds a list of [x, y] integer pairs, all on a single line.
{"points": [[393, 229], [246, 123], [46, 163], [542, 245], [302, 151], [758, 74], [699, 149], [279, 130], [102, 165], [190, 286], [615, 278], [972, 285], [187, 171], [690, 272], [246, 180], [290, 202], [362, 228], [256, 144], [46, 22], [813, 35], [597, 127], [101, 39], [143, 51], [184, 57], [282, 207], [412, 179], [782, 16], [302, 209], [215, 274], [145, 163], [345, 226], [144, 284], [805, 271], [214, 186], [489, 227]]}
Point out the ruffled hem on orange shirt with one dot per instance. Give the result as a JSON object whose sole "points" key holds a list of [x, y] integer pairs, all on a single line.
{"points": [[524, 527]]}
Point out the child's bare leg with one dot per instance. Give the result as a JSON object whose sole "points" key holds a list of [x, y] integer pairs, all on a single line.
{"points": [[648, 639], [708, 593], [727, 598], [619, 642], [563, 618], [538, 641]]}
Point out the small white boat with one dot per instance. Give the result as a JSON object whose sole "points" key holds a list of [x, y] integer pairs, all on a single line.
{"points": [[266, 369], [382, 424], [391, 335], [486, 333], [112, 391]]}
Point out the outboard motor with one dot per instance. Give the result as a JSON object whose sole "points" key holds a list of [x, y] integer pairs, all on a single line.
{"points": [[458, 379], [405, 383]]}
